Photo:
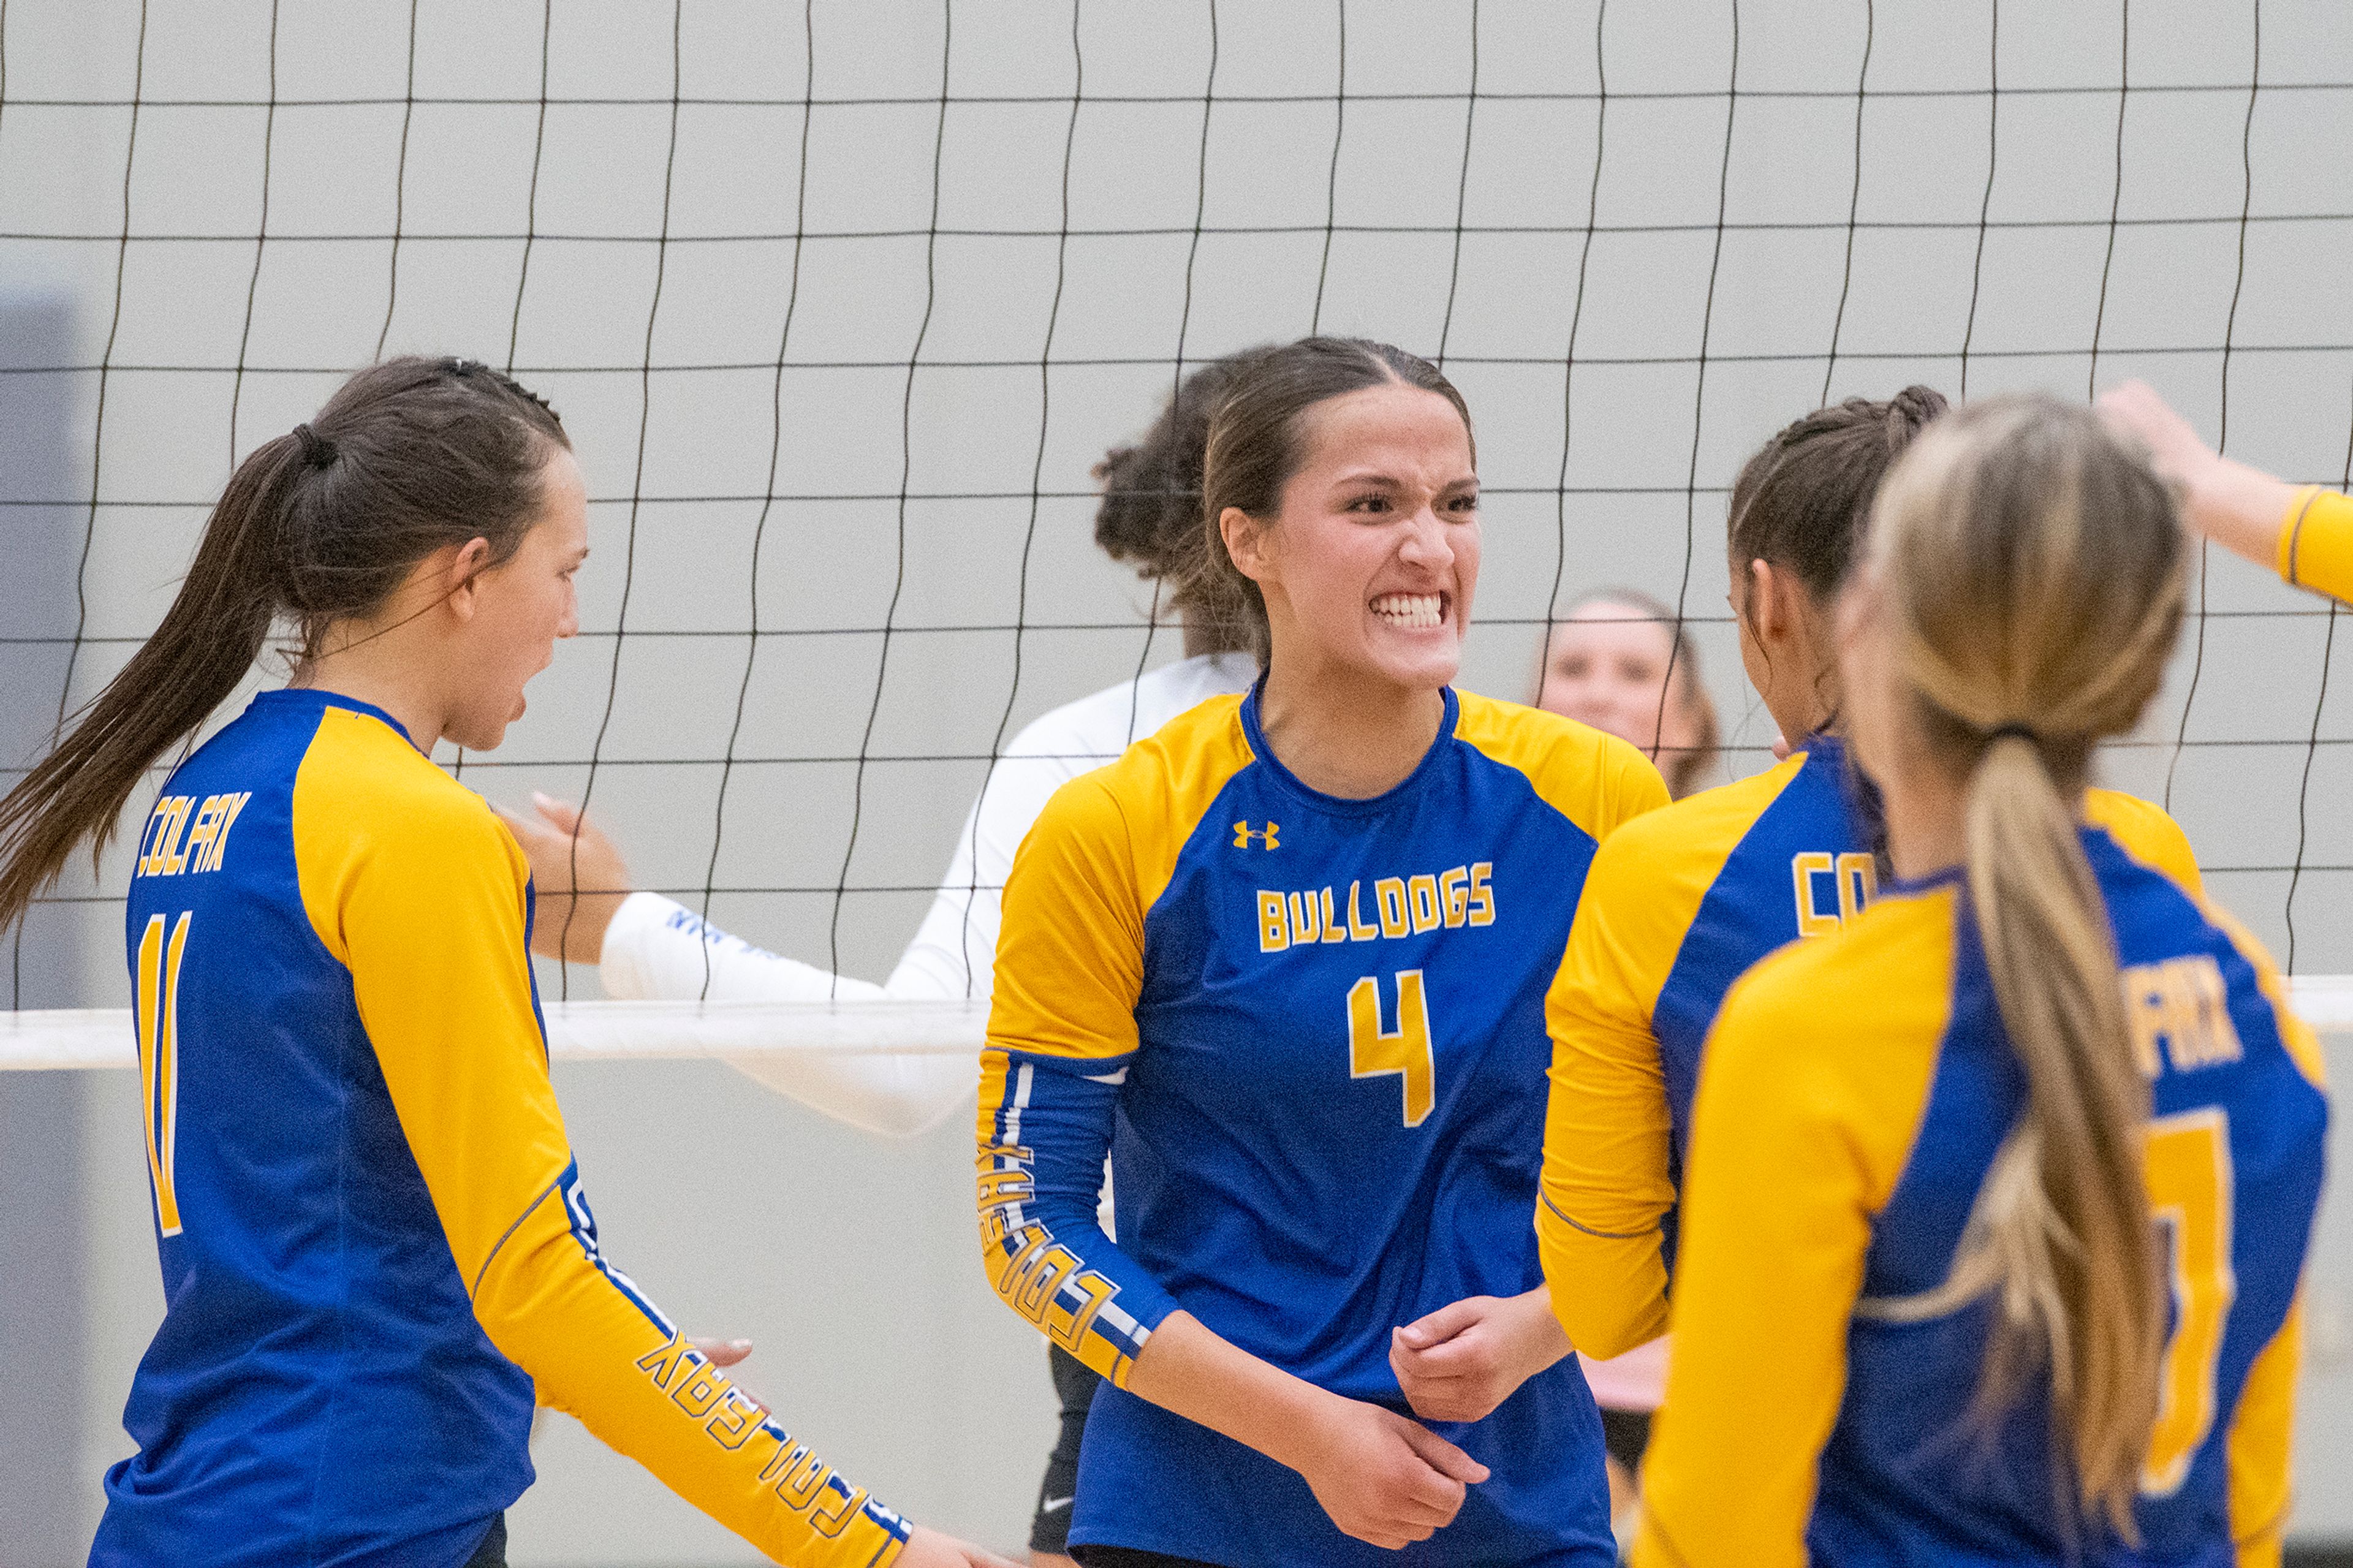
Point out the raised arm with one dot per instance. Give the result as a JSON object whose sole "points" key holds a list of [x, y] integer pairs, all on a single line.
{"points": [[2305, 533], [430, 922]]}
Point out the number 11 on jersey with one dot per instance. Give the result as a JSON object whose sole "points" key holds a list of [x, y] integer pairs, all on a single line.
{"points": [[1405, 1050], [158, 996]]}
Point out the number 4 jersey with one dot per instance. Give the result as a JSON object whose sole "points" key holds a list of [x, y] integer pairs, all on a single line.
{"points": [[1310, 1031]]}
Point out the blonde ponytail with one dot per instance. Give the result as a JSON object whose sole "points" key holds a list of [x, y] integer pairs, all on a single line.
{"points": [[2033, 574], [2067, 1220]]}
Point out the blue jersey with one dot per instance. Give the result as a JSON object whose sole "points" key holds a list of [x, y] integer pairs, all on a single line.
{"points": [[1310, 1032], [1855, 1096], [1680, 905], [373, 1235]]}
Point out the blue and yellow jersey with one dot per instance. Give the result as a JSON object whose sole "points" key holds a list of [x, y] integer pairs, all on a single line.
{"points": [[373, 1239], [1854, 1095], [1310, 1032], [2316, 543], [1677, 907]]}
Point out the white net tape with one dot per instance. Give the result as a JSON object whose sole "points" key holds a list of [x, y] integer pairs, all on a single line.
{"points": [[744, 1032]]}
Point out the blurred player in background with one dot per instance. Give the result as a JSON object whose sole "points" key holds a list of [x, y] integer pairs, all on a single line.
{"points": [[1285, 960], [2000, 1192], [1621, 662], [375, 1244], [2305, 532], [650, 947], [1682, 903]]}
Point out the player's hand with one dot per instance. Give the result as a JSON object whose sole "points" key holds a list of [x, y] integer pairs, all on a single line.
{"points": [[1383, 1478], [1466, 1358], [725, 1354], [2175, 447], [930, 1549], [568, 853]]}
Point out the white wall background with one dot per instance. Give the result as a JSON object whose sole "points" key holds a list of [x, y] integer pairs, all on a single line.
{"points": [[647, 243]]}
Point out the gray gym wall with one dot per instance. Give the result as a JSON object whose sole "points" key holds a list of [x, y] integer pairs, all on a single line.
{"points": [[852, 1261]]}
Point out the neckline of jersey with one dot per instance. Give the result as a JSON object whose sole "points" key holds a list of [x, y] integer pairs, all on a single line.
{"points": [[300, 695], [2094, 837], [1340, 805]]}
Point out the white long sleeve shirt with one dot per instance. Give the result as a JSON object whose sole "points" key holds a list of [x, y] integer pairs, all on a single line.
{"points": [[656, 949]]}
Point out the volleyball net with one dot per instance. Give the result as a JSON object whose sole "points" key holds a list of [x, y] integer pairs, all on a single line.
{"points": [[841, 304]]}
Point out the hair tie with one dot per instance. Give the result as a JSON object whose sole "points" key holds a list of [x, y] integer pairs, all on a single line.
{"points": [[2014, 732], [317, 450]]}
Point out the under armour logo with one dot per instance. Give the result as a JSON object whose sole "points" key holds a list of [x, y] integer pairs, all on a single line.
{"points": [[1244, 833]]}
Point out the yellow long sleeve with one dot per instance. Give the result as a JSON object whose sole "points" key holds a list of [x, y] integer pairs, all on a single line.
{"points": [[420, 893], [1799, 1134]]}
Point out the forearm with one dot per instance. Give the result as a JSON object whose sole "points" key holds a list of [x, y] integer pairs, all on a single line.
{"points": [[1537, 1333], [1189, 1369], [2237, 507], [596, 1349], [1607, 1292], [1605, 1191], [660, 951], [1042, 1128]]}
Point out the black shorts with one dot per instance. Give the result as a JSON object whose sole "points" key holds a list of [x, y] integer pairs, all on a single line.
{"points": [[491, 1553], [1074, 1389], [1626, 1433]]}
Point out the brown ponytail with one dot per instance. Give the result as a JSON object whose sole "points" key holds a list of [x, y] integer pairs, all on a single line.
{"points": [[314, 527], [1151, 512], [2032, 571]]}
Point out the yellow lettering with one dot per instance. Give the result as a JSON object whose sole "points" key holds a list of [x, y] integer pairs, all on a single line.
{"points": [[788, 1455], [1454, 888], [1359, 929], [1803, 868], [827, 1520], [1273, 935], [1482, 897], [173, 859], [1389, 894], [1332, 932], [662, 1364], [159, 828], [1858, 881], [2186, 1003], [1307, 917], [2145, 1007], [1424, 891], [200, 837], [1069, 1326], [1042, 1279], [804, 1481], [234, 803], [1012, 1261], [696, 1394], [738, 1419]]}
